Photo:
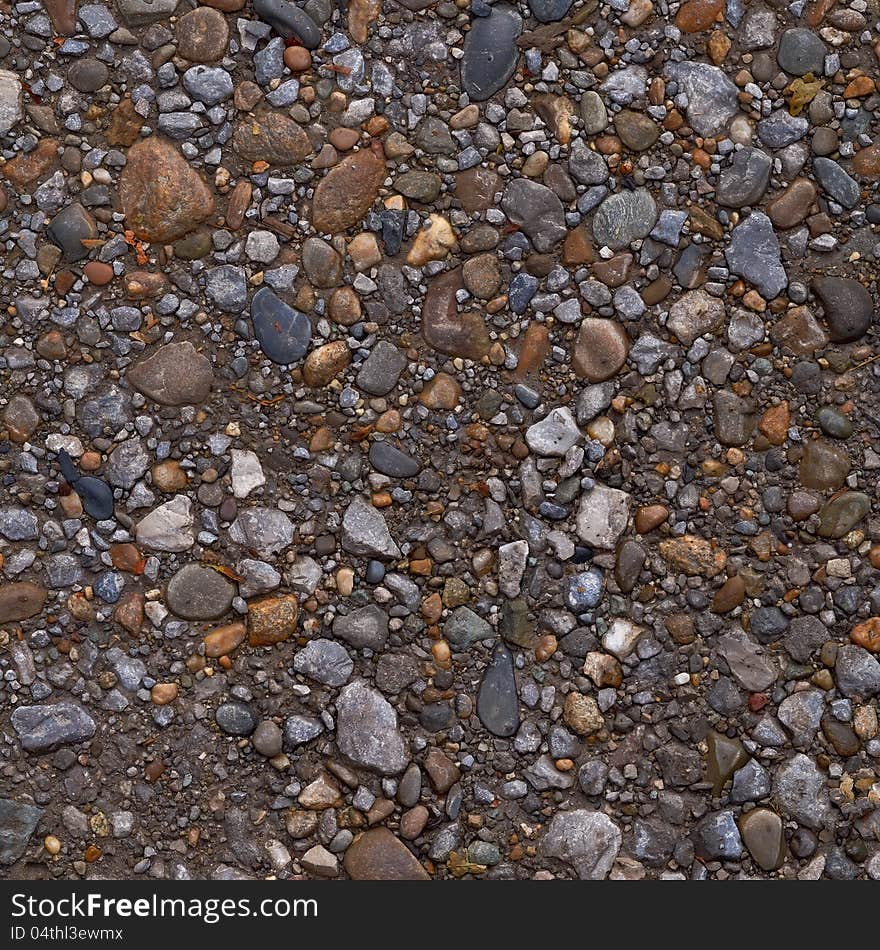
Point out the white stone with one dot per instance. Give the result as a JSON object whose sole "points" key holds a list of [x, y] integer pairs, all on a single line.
{"points": [[586, 840], [603, 516], [511, 566], [168, 527], [247, 473], [10, 100], [555, 434], [622, 637]]}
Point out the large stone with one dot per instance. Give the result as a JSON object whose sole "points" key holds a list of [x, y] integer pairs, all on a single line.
{"points": [[745, 180], [586, 840], [364, 628], [364, 531], [377, 855], [848, 307], [497, 700], [44, 728], [283, 333], [10, 100], [175, 375], [537, 211], [168, 527], [799, 788], [199, 593], [163, 197], [623, 218], [366, 730], [265, 530], [762, 834], [272, 619], [712, 97], [600, 350], [18, 821], [20, 601], [490, 52], [603, 516], [747, 661], [271, 137], [347, 192], [754, 255], [694, 314], [445, 328]]}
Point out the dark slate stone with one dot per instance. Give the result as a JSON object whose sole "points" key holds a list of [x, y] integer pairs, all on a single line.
{"points": [[391, 461], [18, 821], [848, 306], [549, 11], [490, 52], [288, 21], [282, 332], [497, 699]]}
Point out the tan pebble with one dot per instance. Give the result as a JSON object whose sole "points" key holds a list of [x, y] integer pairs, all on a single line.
{"points": [[51, 844], [163, 693], [345, 581]]}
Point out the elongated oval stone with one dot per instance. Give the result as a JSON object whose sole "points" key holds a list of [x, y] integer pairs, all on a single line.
{"points": [[497, 700], [288, 20], [490, 52], [282, 332]]}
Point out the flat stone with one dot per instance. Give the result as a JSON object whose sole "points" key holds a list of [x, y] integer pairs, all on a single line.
{"points": [[586, 840], [364, 628], [762, 834], [272, 619], [754, 255], [44, 728], [391, 461], [271, 137], [145, 12], [800, 792], [490, 52], [377, 855], [283, 333], [602, 516], [10, 100], [325, 662], [174, 375], [20, 601], [168, 527], [536, 210], [347, 192], [712, 97], [835, 181], [18, 821], [199, 593], [264, 530], [163, 197], [381, 370], [367, 732], [555, 434], [447, 330], [749, 665], [364, 531], [841, 514], [463, 628], [600, 350], [745, 180], [497, 699], [800, 52], [793, 205], [288, 21], [694, 314], [848, 307], [623, 218]]}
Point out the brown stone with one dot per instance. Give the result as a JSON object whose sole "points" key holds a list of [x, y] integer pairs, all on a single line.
{"points": [[20, 601], [223, 640], [867, 634], [129, 612], [534, 349], [866, 162], [705, 224], [577, 247], [143, 285], [600, 350], [326, 363], [20, 418], [98, 273], [444, 328], [162, 196], [637, 131], [168, 476], [582, 714], [729, 596], [799, 332], [239, 202], [441, 392], [377, 855], [272, 619], [413, 821], [476, 188], [697, 15], [793, 205], [202, 35], [125, 125], [62, 14], [345, 307], [693, 556], [775, 422], [649, 517], [347, 192], [361, 13], [270, 137], [29, 167], [442, 771], [615, 271], [297, 59]]}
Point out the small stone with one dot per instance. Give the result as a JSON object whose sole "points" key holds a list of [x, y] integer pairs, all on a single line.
{"points": [[272, 620]]}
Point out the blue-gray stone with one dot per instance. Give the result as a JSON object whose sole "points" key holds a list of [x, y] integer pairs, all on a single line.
{"points": [[236, 718], [18, 821], [45, 728], [584, 591], [464, 628], [497, 700], [801, 52], [781, 129], [835, 181], [388, 460], [549, 11], [298, 730], [283, 333], [754, 255]]}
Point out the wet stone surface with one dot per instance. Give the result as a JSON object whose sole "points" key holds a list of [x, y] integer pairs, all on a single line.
{"points": [[439, 440]]}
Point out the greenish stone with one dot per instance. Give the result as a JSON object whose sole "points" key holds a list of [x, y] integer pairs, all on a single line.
{"points": [[723, 757], [194, 246], [840, 515], [514, 625], [761, 831], [834, 423]]}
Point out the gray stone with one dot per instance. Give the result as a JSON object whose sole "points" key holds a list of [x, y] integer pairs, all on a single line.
{"points": [[537, 211], [18, 821], [264, 530], [799, 788], [711, 97], [586, 840], [754, 255], [835, 181], [800, 52], [367, 731], [856, 672], [199, 593], [366, 627], [463, 628], [45, 728], [364, 531], [283, 333], [717, 837], [325, 662], [490, 52], [497, 700], [382, 368], [623, 218], [745, 180]]}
